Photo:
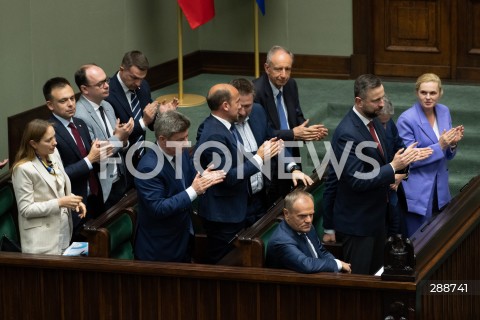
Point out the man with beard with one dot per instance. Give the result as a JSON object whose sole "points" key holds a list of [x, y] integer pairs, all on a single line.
{"points": [[356, 195]]}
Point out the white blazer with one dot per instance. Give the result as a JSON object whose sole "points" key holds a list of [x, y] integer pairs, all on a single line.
{"points": [[38, 209]]}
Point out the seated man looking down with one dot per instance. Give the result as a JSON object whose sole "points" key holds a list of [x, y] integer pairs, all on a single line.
{"points": [[295, 245]]}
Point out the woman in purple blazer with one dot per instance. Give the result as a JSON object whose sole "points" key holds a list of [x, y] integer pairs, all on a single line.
{"points": [[429, 123]]}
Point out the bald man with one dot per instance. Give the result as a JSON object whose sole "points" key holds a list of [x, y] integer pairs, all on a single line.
{"points": [[223, 207]]}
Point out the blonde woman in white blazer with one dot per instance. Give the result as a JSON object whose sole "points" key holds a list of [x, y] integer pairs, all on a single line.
{"points": [[43, 192]]}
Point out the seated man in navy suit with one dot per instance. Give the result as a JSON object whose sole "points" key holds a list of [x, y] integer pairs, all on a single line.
{"points": [[167, 183], [295, 245]]}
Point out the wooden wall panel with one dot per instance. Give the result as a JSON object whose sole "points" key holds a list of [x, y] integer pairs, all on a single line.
{"points": [[411, 37], [468, 48]]}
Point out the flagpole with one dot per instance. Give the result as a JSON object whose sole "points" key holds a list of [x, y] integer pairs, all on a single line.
{"points": [[255, 37], [184, 100]]}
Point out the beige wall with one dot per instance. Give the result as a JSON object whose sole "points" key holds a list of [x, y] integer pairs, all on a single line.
{"points": [[43, 39]]}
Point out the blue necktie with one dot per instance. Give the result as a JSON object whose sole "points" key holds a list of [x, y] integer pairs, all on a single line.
{"points": [[283, 120], [236, 134], [137, 115], [281, 112], [135, 104]]}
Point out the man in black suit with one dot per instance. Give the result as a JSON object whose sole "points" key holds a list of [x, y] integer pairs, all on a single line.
{"points": [[130, 97], [80, 155], [278, 94], [356, 195]]}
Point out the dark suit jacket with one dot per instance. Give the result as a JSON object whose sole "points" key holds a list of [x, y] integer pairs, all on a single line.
{"points": [[288, 250], [226, 201], [258, 123], [358, 206], [123, 110], [164, 225], [75, 167], [264, 96]]}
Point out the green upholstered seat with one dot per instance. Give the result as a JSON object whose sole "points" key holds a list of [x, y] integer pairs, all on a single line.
{"points": [[120, 235], [7, 205], [266, 237]]}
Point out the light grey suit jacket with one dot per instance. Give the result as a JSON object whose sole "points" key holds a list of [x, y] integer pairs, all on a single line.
{"points": [[37, 201], [87, 113]]}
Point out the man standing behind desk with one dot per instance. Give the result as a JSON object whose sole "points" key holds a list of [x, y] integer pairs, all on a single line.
{"points": [[358, 199], [223, 207], [278, 94], [80, 155], [164, 226], [99, 116]]}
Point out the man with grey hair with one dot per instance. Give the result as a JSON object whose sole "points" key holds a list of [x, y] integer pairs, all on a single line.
{"points": [[277, 92], [165, 195], [295, 244]]}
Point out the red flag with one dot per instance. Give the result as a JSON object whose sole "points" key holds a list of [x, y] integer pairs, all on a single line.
{"points": [[197, 12]]}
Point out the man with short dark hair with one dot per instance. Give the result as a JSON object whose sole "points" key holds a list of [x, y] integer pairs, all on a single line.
{"points": [[295, 244], [252, 125], [130, 97], [80, 155], [356, 198]]}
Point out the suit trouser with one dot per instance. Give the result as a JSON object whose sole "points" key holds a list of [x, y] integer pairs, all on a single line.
{"points": [[256, 208], [118, 191], [364, 253], [220, 236]]}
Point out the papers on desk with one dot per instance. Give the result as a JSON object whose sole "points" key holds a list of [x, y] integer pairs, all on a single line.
{"points": [[379, 272], [77, 249]]}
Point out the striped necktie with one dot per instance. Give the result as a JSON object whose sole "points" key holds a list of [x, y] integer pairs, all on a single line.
{"points": [[135, 104], [137, 115]]}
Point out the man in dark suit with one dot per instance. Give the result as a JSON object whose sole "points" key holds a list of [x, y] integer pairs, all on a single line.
{"points": [[356, 194], [165, 195], [278, 94], [295, 245], [131, 98], [253, 127], [80, 155], [223, 207], [102, 124]]}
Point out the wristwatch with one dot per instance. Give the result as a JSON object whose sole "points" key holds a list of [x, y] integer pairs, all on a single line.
{"points": [[295, 167]]}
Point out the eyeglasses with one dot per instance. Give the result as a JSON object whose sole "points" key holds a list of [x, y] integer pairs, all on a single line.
{"points": [[100, 84]]}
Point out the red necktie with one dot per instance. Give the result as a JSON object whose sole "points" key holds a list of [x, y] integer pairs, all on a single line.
{"points": [[83, 152], [374, 136]]}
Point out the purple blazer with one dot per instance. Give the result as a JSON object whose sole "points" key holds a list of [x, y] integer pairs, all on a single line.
{"points": [[413, 126]]}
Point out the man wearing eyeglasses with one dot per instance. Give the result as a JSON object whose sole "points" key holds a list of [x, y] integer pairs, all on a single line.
{"points": [[131, 98], [102, 124]]}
